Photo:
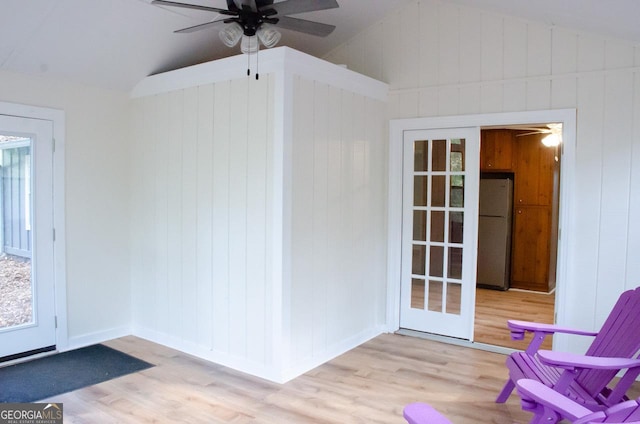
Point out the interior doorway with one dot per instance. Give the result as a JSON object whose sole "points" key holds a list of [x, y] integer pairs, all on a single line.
{"points": [[565, 201], [517, 229]]}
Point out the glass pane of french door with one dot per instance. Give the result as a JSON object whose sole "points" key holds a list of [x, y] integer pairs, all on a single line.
{"points": [[27, 303], [16, 289], [439, 230]]}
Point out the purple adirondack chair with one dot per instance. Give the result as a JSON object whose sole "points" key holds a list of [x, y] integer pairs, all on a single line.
{"points": [[583, 378], [421, 413], [549, 406]]}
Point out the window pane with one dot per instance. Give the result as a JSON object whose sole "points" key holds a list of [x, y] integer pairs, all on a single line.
{"points": [[455, 263], [437, 226], [417, 293], [456, 197], [456, 225], [16, 286], [418, 260], [454, 296], [438, 187], [420, 191], [435, 296], [436, 260], [420, 225], [439, 152], [457, 155], [421, 155]]}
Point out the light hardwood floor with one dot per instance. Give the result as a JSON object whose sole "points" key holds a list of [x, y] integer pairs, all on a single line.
{"points": [[369, 384], [495, 307]]}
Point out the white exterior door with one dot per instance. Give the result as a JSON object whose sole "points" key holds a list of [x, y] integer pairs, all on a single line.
{"points": [[439, 230], [27, 304]]}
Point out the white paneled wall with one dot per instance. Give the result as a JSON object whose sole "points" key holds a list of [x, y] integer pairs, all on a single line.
{"points": [[200, 240], [258, 210], [455, 60], [338, 221]]}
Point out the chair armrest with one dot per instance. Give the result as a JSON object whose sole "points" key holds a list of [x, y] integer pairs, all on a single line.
{"points": [[572, 361], [521, 326], [531, 390]]}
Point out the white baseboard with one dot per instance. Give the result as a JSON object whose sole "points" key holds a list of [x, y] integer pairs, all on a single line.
{"points": [[77, 342], [330, 353]]}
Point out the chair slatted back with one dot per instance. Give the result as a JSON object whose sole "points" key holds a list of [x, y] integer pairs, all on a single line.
{"points": [[619, 337]]}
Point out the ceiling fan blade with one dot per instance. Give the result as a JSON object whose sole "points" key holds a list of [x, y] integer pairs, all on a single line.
{"points": [[291, 7], [307, 27], [199, 27], [532, 133], [194, 6]]}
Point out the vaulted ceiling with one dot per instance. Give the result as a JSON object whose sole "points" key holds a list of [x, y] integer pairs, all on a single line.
{"points": [[115, 43]]}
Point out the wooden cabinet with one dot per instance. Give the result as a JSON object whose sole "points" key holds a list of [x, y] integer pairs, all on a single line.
{"points": [[531, 251], [534, 172], [533, 212], [496, 150]]}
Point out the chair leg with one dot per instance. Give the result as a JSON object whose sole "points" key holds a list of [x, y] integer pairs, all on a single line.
{"points": [[506, 391]]}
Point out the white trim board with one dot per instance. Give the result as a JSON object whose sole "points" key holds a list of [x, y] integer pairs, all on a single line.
{"points": [[567, 182], [276, 60]]}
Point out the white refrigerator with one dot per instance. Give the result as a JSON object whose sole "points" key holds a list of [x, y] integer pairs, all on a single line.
{"points": [[494, 233]]}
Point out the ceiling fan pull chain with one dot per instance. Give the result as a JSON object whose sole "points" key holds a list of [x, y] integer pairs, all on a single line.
{"points": [[249, 64], [258, 61]]}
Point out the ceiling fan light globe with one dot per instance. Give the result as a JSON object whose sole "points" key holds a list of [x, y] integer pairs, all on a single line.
{"points": [[249, 44], [231, 34], [269, 37], [551, 140]]}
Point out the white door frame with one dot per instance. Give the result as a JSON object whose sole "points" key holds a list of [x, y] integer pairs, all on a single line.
{"points": [[567, 181], [57, 117]]}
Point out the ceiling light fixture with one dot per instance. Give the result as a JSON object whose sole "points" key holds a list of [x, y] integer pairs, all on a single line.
{"points": [[268, 36], [552, 140], [231, 34]]}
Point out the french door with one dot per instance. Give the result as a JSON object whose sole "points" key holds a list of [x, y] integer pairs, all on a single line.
{"points": [[439, 230], [27, 302]]}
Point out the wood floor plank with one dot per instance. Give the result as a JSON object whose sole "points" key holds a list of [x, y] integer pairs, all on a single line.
{"points": [[495, 307], [369, 384]]}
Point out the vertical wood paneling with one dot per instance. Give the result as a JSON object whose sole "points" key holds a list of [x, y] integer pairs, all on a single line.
{"points": [[616, 170], [302, 307], [618, 55], [564, 93], [564, 51], [492, 47], [336, 284], [189, 288], [588, 197], [429, 41], [515, 48], [257, 202], [238, 150], [538, 50], [449, 44], [204, 217], [538, 94], [591, 53], [514, 96], [632, 277], [408, 73], [174, 213], [319, 275], [492, 98], [221, 215], [470, 45], [391, 56], [161, 145]]}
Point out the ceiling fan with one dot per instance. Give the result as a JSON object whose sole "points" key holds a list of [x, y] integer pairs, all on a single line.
{"points": [[553, 131], [254, 21]]}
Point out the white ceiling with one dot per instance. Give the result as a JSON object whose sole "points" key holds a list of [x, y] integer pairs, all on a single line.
{"points": [[115, 43]]}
